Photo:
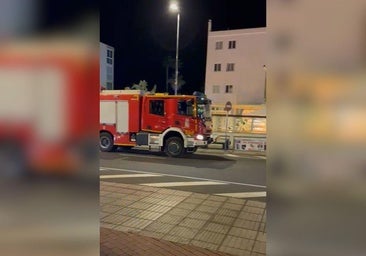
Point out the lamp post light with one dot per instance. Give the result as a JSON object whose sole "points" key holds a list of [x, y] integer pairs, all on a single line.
{"points": [[175, 8]]}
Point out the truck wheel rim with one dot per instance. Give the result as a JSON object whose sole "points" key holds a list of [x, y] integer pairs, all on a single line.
{"points": [[174, 148], [104, 142]]}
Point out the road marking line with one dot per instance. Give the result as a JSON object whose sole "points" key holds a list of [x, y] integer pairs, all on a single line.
{"points": [[232, 155], [186, 177], [137, 155], [128, 176], [244, 194], [182, 184]]}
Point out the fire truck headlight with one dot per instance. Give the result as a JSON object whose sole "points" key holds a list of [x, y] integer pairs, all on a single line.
{"points": [[199, 137]]}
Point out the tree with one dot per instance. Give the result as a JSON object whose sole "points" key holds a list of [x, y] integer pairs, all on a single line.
{"points": [[168, 64], [153, 90], [143, 86], [181, 82]]}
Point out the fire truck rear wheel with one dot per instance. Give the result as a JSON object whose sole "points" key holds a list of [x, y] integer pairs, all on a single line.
{"points": [[174, 147], [106, 142]]}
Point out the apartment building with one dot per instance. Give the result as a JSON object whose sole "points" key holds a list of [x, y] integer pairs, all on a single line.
{"points": [[106, 66], [235, 66]]}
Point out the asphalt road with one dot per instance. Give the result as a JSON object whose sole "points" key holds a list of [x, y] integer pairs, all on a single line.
{"points": [[209, 172]]}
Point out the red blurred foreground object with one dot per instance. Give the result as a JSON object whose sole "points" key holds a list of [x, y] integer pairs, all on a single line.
{"points": [[49, 96]]}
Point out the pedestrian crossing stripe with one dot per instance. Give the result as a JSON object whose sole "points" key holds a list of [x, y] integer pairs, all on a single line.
{"points": [[185, 177], [244, 194], [182, 184], [185, 183], [137, 175]]}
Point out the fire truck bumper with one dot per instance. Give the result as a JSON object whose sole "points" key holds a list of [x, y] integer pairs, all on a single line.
{"points": [[193, 142], [196, 143]]}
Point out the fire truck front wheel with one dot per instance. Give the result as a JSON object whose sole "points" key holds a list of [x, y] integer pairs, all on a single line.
{"points": [[106, 142], [174, 147]]}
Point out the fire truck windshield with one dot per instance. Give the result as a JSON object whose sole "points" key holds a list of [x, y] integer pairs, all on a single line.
{"points": [[204, 109], [203, 106]]}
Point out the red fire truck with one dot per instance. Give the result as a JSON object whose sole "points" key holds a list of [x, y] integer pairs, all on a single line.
{"points": [[173, 124]]}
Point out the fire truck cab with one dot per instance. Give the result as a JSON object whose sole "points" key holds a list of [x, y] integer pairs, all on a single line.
{"points": [[173, 124]]}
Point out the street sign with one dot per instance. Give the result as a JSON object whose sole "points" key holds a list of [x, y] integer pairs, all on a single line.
{"points": [[228, 106]]}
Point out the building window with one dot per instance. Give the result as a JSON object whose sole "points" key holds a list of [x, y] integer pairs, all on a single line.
{"points": [[219, 45], [109, 57], [109, 77], [109, 86], [230, 67], [232, 44], [217, 67], [157, 107], [216, 89], [228, 89]]}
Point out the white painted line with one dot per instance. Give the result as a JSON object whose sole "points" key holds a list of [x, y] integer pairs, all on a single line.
{"points": [[244, 194], [232, 155], [187, 177], [254, 157], [182, 184], [128, 176], [124, 156]]}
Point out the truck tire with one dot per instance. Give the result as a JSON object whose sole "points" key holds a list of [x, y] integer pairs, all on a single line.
{"points": [[174, 147], [106, 142]]}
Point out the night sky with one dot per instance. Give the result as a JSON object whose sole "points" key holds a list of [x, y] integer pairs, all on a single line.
{"points": [[143, 33]]}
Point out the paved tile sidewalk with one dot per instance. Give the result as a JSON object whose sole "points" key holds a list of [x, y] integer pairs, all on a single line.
{"points": [[221, 224], [131, 244]]}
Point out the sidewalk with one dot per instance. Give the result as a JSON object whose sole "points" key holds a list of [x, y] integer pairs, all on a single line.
{"points": [[115, 242], [139, 220], [213, 149]]}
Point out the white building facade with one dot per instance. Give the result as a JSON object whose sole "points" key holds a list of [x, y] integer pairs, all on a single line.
{"points": [[235, 66], [106, 54]]}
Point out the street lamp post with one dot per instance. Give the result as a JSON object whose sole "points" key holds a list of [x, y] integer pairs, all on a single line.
{"points": [[174, 7]]}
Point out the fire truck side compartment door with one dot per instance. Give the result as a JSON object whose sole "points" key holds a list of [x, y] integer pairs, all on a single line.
{"points": [[122, 116], [107, 112]]}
